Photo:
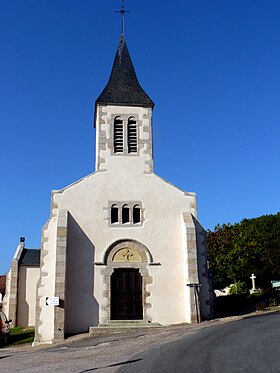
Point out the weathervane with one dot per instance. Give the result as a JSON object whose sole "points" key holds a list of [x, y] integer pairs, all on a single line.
{"points": [[122, 11]]}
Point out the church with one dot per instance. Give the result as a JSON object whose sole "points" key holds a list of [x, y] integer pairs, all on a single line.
{"points": [[121, 245]]}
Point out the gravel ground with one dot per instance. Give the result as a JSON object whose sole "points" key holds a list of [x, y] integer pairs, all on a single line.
{"points": [[104, 353]]}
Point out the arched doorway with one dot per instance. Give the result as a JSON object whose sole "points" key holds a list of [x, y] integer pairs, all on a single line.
{"points": [[126, 279], [126, 294]]}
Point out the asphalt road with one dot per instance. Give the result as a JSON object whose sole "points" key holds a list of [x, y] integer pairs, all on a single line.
{"points": [[250, 345], [220, 346]]}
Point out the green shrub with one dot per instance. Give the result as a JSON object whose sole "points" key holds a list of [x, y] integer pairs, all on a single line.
{"points": [[238, 288], [273, 302]]}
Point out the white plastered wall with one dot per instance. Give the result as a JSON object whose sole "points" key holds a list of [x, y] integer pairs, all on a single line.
{"points": [[6, 299], [161, 232], [44, 331]]}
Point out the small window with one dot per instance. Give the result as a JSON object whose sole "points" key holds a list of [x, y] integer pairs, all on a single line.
{"points": [[118, 135], [125, 214], [128, 213], [132, 136], [136, 214], [114, 214]]}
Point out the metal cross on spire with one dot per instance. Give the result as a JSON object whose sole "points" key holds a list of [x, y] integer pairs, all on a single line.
{"points": [[122, 11]]}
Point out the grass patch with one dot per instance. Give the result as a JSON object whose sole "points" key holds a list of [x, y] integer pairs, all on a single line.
{"points": [[20, 335]]}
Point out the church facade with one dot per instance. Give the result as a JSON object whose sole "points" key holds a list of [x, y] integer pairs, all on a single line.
{"points": [[121, 244]]}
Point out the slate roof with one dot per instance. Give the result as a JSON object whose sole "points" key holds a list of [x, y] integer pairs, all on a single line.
{"points": [[30, 257], [123, 87]]}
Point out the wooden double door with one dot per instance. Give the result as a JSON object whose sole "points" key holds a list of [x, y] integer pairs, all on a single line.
{"points": [[126, 294]]}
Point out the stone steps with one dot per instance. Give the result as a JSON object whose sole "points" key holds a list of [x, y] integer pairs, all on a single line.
{"points": [[115, 326]]}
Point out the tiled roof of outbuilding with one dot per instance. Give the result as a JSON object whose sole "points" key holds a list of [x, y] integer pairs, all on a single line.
{"points": [[123, 87], [30, 257]]}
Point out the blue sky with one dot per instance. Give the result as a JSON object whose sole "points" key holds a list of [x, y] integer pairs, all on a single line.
{"points": [[210, 66]]}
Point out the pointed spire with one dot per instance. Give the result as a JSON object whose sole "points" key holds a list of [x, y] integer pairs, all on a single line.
{"points": [[123, 87]]}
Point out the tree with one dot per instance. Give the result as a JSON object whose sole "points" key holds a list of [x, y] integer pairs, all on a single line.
{"points": [[251, 246]]}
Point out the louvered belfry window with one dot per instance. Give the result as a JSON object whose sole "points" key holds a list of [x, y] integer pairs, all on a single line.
{"points": [[132, 136], [118, 135]]}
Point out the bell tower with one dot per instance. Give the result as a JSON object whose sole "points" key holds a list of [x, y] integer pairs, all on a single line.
{"points": [[123, 120]]}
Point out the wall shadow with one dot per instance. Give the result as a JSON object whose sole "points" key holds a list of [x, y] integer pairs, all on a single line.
{"points": [[81, 308], [23, 306]]}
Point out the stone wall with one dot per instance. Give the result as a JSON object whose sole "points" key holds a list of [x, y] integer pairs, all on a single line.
{"points": [[10, 302]]}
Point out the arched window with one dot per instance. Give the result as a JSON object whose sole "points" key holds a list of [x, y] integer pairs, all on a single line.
{"points": [[131, 136], [118, 135], [125, 214], [114, 214], [136, 214]]}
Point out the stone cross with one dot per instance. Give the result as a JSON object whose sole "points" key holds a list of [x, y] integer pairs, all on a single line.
{"points": [[253, 277]]}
